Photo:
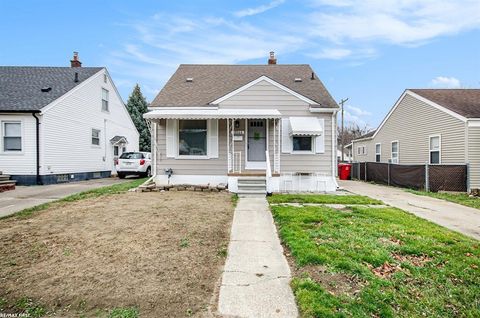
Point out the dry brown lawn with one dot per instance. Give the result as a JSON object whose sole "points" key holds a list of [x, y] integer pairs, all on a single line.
{"points": [[161, 253]]}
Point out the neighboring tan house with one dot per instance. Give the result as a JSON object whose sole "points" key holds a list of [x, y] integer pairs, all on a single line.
{"points": [[237, 124], [435, 126], [61, 124]]}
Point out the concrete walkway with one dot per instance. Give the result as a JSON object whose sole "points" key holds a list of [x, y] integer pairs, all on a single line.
{"points": [[26, 197], [450, 215], [256, 277]]}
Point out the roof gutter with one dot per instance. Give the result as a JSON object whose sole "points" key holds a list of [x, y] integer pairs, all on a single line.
{"points": [[323, 110], [37, 141], [20, 111]]}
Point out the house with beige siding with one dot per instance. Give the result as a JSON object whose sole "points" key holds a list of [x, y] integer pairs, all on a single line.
{"points": [[255, 128], [435, 126]]}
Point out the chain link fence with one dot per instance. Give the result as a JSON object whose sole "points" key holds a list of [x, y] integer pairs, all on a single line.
{"points": [[419, 177]]}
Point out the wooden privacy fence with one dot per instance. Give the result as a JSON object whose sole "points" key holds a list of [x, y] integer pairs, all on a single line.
{"points": [[420, 177]]}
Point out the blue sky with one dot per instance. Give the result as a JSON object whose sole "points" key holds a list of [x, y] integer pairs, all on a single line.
{"points": [[368, 51]]}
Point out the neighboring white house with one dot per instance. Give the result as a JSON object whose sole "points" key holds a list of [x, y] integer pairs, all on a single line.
{"points": [[435, 126], [244, 125], [61, 124]]}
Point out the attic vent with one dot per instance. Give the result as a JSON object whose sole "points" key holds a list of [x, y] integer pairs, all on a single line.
{"points": [[189, 79], [298, 79], [46, 89]]}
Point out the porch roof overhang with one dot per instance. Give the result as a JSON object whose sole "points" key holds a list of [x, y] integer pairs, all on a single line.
{"points": [[305, 126], [211, 113]]}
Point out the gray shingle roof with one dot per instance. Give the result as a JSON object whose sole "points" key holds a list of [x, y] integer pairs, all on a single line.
{"points": [[20, 86], [211, 82], [465, 102]]}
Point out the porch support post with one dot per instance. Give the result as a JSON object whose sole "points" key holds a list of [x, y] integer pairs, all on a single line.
{"points": [[277, 145], [229, 154]]}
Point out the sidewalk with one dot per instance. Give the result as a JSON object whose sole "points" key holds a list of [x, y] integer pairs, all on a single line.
{"points": [[454, 216], [256, 277]]}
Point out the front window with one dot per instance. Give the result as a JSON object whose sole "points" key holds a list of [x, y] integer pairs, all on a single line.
{"points": [[395, 152], [302, 143], [435, 150], [378, 151], [104, 100], [192, 137], [96, 137], [12, 136]]}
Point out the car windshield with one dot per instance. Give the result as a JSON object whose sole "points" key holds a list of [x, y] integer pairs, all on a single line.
{"points": [[131, 155]]}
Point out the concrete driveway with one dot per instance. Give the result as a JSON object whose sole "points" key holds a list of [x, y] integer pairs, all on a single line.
{"points": [[450, 215], [25, 197]]}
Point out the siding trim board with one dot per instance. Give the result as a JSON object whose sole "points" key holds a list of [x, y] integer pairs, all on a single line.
{"points": [[258, 80]]}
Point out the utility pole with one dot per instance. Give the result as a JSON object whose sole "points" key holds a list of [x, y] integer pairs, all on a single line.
{"points": [[342, 140]]}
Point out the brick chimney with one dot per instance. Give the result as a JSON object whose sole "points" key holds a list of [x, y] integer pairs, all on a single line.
{"points": [[75, 62], [272, 60]]}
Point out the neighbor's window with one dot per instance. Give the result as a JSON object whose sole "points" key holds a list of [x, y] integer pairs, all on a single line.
{"points": [[104, 100], [105, 78], [395, 152], [192, 137], [302, 143], [96, 137], [378, 151], [12, 136], [435, 149], [115, 150]]}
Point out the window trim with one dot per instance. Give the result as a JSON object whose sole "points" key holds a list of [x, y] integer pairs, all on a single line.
{"points": [[439, 149], [378, 153], [2, 135], [308, 152], [179, 156], [397, 152], [107, 110], [99, 137]]}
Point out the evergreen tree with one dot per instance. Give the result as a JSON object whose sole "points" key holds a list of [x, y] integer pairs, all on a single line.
{"points": [[137, 106]]}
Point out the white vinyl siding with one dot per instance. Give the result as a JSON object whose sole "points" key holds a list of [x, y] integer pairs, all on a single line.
{"points": [[19, 162], [474, 156]]}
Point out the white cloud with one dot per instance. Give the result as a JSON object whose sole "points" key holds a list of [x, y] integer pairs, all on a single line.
{"points": [[403, 22], [445, 82], [259, 9], [358, 111], [332, 54]]}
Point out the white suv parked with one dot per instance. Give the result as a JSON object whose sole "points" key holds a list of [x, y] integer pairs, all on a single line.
{"points": [[134, 163]]}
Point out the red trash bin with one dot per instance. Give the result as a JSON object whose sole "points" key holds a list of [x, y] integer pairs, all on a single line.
{"points": [[344, 170]]}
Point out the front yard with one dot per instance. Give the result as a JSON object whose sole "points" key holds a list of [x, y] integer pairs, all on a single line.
{"points": [[365, 261], [114, 254]]}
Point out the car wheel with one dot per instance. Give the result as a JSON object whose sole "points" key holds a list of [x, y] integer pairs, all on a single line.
{"points": [[121, 175], [149, 172]]}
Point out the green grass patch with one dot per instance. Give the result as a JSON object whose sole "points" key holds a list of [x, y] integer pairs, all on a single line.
{"points": [[30, 307], [378, 262], [322, 199], [130, 312], [460, 198], [234, 199], [94, 193]]}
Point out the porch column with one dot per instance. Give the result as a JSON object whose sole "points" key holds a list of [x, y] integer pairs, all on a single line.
{"points": [[276, 145]]}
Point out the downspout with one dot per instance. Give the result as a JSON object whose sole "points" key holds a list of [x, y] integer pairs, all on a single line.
{"points": [[334, 148], [37, 125]]}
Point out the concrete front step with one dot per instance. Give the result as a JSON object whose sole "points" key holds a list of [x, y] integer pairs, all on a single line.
{"points": [[4, 177], [2, 182]]}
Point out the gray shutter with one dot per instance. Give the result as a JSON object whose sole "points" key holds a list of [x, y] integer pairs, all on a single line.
{"points": [[212, 133], [171, 138], [287, 143], [320, 139]]}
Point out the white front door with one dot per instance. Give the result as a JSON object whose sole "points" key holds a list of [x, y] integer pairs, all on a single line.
{"points": [[256, 144]]}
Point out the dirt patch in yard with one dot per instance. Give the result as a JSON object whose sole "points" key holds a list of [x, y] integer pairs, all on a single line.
{"points": [[161, 253]]}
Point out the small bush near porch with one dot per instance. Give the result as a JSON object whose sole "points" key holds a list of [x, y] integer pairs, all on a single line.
{"points": [[378, 262], [113, 254]]}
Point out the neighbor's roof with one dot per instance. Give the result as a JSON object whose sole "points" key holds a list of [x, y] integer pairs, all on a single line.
{"points": [[367, 135], [20, 86], [211, 82], [465, 102]]}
